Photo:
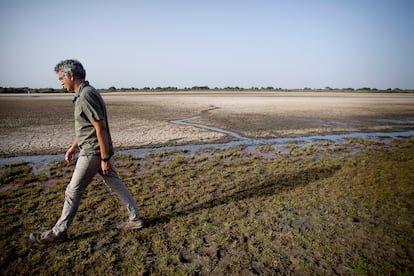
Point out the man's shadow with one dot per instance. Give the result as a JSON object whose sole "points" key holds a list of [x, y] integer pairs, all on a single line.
{"points": [[269, 187]]}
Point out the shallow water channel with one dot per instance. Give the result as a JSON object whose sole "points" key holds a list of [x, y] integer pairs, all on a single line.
{"points": [[237, 140]]}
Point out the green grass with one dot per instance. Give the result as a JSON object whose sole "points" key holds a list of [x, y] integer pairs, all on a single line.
{"points": [[18, 171], [315, 210]]}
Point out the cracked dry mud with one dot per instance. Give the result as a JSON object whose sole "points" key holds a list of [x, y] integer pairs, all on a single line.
{"points": [[36, 124]]}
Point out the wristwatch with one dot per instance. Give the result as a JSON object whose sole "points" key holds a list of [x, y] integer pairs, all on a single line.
{"points": [[106, 159]]}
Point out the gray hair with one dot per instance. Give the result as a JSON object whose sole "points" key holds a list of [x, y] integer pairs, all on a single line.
{"points": [[73, 66]]}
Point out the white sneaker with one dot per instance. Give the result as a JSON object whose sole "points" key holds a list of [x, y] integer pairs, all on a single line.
{"points": [[48, 237], [132, 225]]}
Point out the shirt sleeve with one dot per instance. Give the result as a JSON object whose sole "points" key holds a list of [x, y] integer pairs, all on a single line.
{"points": [[93, 108]]}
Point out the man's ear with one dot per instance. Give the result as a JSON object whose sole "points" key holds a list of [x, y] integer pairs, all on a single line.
{"points": [[70, 76]]}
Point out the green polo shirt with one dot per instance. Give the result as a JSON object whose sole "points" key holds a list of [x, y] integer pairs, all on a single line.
{"points": [[89, 107]]}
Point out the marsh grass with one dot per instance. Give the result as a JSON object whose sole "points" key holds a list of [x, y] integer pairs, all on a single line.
{"points": [[318, 209], [21, 171]]}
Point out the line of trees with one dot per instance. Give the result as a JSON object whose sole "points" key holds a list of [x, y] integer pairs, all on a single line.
{"points": [[27, 90], [237, 88]]}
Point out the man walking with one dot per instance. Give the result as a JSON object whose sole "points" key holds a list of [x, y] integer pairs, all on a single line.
{"points": [[93, 141]]}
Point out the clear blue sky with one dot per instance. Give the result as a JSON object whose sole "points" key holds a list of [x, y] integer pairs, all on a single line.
{"points": [[218, 43]]}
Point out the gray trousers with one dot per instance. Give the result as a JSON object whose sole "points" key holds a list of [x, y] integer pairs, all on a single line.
{"points": [[86, 168]]}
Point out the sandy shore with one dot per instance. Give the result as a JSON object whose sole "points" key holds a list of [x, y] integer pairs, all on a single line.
{"points": [[34, 124]]}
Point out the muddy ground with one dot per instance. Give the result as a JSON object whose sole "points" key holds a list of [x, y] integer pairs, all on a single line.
{"points": [[277, 211], [34, 124]]}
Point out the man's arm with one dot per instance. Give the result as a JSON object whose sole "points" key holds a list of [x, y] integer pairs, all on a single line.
{"points": [[103, 140]]}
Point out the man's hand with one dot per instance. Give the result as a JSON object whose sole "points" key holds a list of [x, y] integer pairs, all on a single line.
{"points": [[70, 153], [106, 167]]}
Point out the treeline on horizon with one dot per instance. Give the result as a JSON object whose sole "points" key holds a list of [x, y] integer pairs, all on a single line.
{"points": [[27, 90]]}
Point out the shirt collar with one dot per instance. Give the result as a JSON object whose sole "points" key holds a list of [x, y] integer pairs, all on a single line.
{"points": [[83, 84]]}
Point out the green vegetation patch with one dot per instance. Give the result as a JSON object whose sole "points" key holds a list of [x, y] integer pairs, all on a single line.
{"points": [[295, 214], [21, 172]]}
